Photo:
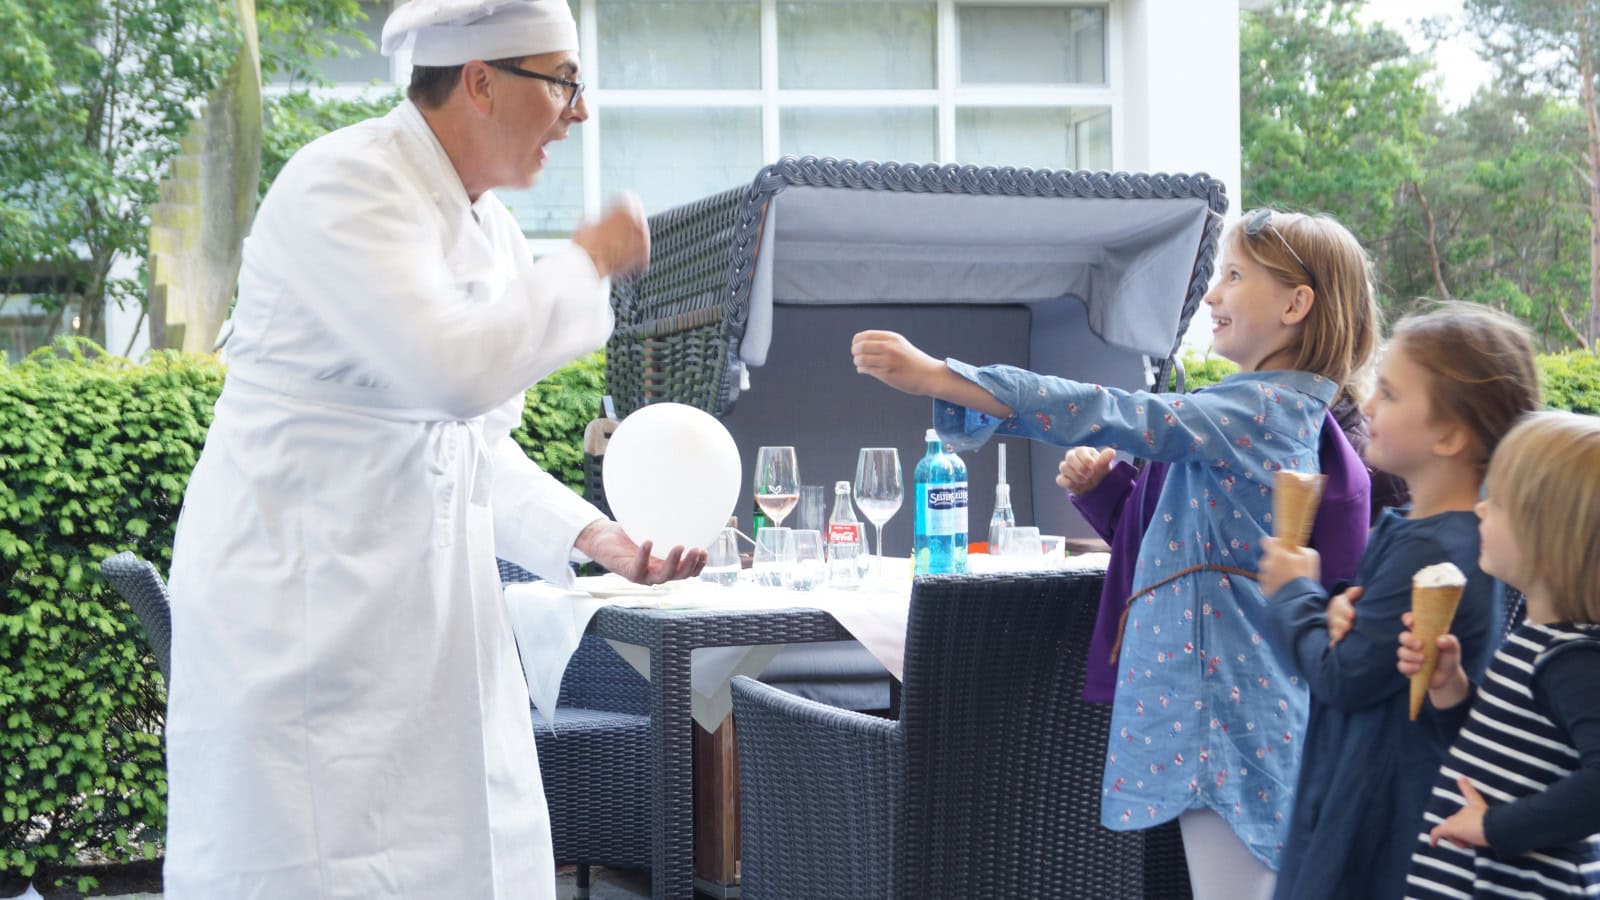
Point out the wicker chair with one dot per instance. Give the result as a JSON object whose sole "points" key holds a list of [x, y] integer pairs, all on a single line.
{"points": [[679, 325], [596, 763], [987, 786], [140, 584]]}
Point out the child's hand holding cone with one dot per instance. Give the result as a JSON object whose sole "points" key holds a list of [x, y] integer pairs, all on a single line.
{"points": [[1435, 594], [1448, 686], [1295, 496], [1285, 556]]}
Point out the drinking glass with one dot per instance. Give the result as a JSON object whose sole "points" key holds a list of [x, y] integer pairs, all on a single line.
{"points": [[1055, 545], [810, 570], [878, 488], [777, 482], [844, 566], [722, 559], [1022, 544], [812, 512], [774, 555]]}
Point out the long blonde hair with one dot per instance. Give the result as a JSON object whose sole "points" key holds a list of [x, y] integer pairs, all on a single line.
{"points": [[1546, 475], [1340, 333]]}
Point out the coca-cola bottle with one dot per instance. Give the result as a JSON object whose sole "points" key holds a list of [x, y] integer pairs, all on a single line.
{"points": [[845, 556]]}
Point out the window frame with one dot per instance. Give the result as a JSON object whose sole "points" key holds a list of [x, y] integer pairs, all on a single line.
{"points": [[946, 97]]}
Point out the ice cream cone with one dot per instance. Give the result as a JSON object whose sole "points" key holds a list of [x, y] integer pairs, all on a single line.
{"points": [[1433, 607], [1295, 496]]}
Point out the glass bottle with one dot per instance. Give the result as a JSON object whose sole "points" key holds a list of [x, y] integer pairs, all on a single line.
{"points": [[940, 536]]}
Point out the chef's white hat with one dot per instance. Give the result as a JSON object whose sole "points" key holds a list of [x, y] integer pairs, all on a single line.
{"points": [[454, 32]]}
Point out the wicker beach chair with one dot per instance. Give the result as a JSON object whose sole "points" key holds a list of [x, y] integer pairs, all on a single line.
{"points": [[140, 584], [752, 294]]}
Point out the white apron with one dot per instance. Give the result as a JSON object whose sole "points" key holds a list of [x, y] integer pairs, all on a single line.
{"points": [[347, 716]]}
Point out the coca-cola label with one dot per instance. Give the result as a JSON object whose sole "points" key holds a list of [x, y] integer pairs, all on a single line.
{"points": [[844, 533]]}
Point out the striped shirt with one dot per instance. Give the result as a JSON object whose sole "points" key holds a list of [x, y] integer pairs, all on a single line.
{"points": [[1509, 749]]}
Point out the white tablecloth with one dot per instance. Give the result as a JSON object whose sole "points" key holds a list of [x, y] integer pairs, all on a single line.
{"points": [[549, 622]]}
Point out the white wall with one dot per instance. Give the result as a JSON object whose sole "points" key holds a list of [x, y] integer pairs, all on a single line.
{"points": [[121, 322], [1181, 97]]}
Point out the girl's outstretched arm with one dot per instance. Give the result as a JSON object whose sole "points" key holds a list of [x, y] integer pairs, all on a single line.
{"points": [[895, 361]]}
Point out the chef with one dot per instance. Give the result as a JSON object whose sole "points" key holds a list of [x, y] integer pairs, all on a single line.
{"points": [[347, 716]]}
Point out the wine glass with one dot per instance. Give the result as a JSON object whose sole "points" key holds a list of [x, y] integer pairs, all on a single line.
{"points": [[777, 482], [878, 488]]}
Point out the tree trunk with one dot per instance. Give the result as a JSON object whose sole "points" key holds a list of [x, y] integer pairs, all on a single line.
{"points": [[1586, 84], [1571, 328], [92, 305], [1433, 242]]}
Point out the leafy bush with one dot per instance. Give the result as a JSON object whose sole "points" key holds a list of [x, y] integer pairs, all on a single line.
{"points": [[1204, 371], [95, 453], [558, 409], [1571, 380]]}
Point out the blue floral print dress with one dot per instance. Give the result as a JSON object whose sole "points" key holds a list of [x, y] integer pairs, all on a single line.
{"points": [[1206, 714]]}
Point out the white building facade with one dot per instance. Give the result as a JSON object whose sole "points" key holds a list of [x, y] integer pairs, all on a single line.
{"points": [[691, 97]]}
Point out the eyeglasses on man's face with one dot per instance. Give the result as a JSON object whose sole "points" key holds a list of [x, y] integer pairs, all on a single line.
{"points": [[574, 88]]}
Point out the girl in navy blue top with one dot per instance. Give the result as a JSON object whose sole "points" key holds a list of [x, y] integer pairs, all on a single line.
{"points": [[1451, 384], [1515, 808]]}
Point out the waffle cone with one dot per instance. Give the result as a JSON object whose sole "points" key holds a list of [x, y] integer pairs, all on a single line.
{"points": [[1432, 610], [1295, 496]]}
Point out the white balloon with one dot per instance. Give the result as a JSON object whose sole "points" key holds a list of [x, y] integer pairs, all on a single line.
{"points": [[672, 476]]}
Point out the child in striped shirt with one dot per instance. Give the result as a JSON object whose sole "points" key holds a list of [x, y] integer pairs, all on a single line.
{"points": [[1516, 808]]}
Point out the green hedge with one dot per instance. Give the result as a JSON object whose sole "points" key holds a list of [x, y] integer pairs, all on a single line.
{"points": [[95, 452], [1204, 371], [558, 409], [1570, 380]]}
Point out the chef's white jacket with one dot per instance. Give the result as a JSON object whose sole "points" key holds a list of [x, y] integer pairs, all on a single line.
{"points": [[347, 717]]}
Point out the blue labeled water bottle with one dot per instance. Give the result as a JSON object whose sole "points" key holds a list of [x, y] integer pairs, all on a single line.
{"points": [[940, 540]]}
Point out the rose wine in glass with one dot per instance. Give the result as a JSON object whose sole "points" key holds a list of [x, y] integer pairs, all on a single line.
{"points": [[879, 491], [777, 482]]}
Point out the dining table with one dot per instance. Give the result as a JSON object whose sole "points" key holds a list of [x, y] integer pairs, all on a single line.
{"points": [[689, 639]]}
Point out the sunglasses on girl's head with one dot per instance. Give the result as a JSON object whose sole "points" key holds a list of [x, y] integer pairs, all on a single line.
{"points": [[1261, 219]]}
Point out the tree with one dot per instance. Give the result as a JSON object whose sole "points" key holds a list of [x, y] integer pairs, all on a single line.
{"points": [[1511, 227], [1554, 44], [1330, 113], [94, 98]]}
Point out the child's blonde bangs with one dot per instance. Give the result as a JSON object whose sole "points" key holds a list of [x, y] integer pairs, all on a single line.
{"points": [[1546, 475]]}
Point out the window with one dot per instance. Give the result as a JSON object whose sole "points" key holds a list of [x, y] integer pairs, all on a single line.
{"points": [[1032, 45], [1039, 138], [860, 133], [986, 82], [691, 97], [677, 155], [679, 44], [850, 45]]}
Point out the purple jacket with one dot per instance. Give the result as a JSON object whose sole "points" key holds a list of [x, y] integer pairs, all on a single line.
{"points": [[1121, 507]]}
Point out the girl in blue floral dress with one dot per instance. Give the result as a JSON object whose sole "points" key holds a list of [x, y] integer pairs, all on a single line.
{"points": [[1207, 721]]}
